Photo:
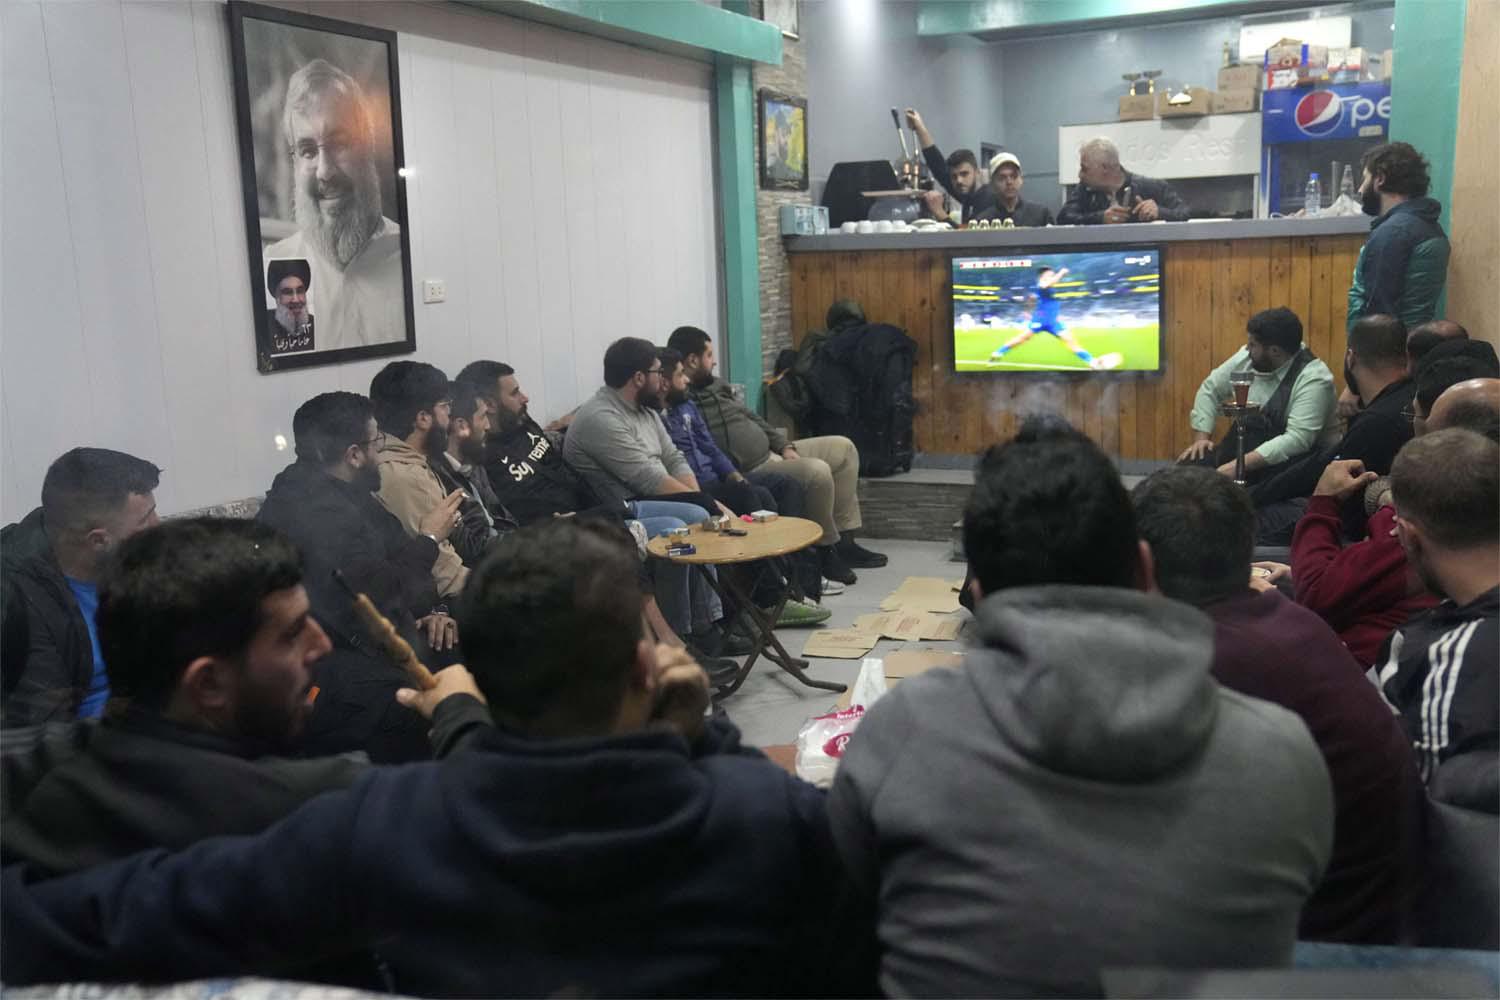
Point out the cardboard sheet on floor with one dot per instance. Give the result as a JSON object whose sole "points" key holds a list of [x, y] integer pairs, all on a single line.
{"points": [[840, 643], [909, 661], [909, 626], [924, 593]]}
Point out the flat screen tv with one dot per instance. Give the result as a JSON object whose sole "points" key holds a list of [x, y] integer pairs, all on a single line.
{"points": [[1058, 311]]}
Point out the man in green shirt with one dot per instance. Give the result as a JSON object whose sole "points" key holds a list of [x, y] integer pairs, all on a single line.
{"points": [[1297, 417]]}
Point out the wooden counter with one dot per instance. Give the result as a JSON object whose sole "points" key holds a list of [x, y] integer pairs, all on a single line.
{"points": [[1217, 275]]}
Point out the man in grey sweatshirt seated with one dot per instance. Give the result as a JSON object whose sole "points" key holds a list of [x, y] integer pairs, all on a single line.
{"points": [[1080, 794], [620, 447]]}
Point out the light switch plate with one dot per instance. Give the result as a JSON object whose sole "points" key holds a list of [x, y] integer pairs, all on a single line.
{"points": [[434, 290]]}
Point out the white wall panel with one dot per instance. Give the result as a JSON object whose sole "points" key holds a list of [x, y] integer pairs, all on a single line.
{"points": [[562, 187]]}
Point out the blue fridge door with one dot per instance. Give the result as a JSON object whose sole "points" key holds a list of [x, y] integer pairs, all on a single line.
{"points": [[1339, 111]]}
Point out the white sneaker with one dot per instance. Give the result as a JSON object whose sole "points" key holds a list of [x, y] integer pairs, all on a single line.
{"points": [[832, 587]]}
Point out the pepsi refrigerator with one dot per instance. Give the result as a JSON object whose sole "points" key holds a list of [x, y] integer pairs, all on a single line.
{"points": [[1305, 131]]}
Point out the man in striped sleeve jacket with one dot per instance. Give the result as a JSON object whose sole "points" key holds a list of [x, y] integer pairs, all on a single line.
{"points": [[1441, 671]]}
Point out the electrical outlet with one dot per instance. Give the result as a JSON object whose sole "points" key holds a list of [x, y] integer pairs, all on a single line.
{"points": [[434, 290]]}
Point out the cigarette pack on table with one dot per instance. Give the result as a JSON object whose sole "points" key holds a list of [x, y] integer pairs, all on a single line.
{"points": [[761, 516], [678, 533], [681, 549], [718, 523]]}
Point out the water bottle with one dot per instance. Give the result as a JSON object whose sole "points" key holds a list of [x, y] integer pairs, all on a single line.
{"points": [[1314, 198], [1346, 185]]}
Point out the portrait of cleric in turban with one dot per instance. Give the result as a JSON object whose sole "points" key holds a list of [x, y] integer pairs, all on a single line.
{"points": [[326, 207]]}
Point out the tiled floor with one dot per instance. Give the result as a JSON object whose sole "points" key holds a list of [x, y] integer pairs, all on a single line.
{"points": [[772, 706]]}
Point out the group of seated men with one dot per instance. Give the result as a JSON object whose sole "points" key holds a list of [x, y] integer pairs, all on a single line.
{"points": [[1142, 760], [1148, 756]]}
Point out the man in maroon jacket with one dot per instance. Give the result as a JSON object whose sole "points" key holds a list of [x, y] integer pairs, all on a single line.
{"points": [[1201, 530]]}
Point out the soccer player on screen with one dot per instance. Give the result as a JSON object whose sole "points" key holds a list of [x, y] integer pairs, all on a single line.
{"points": [[1044, 308]]}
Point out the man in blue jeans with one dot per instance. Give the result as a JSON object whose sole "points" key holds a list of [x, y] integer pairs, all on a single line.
{"points": [[526, 467]]}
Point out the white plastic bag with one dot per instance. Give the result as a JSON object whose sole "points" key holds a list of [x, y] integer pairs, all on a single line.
{"points": [[822, 739]]}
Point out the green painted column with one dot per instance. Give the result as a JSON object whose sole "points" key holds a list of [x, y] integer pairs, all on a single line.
{"points": [[1424, 88], [735, 120]]}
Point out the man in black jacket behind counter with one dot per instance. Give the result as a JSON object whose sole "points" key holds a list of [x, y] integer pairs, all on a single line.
{"points": [[958, 174], [1108, 193]]}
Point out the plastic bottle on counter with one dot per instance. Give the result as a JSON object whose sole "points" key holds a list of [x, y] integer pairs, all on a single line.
{"points": [[1346, 184], [1314, 199]]}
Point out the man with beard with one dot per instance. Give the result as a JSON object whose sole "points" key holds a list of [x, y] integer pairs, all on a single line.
{"points": [[412, 406], [325, 503], [1293, 389], [482, 517], [50, 563], [1441, 671], [1404, 264], [354, 251], [209, 632], [958, 174], [525, 465], [1375, 370], [291, 325]]}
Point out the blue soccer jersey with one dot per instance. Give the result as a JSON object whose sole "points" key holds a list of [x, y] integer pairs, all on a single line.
{"points": [[1044, 317]]}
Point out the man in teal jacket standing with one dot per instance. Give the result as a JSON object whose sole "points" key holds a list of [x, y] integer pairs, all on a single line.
{"points": [[1404, 264]]}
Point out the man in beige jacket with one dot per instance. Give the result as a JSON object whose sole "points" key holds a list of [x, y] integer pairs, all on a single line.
{"points": [[411, 404]]}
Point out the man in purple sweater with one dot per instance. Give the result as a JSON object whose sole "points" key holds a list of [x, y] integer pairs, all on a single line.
{"points": [[1201, 530]]}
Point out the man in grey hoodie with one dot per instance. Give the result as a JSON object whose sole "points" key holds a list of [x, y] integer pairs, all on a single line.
{"points": [[1080, 794]]}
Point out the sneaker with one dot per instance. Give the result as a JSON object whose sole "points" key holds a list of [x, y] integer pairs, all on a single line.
{"points": [[831, 587], [719, 641], [834, 567], [800, 614], [858, 556], [721, 673]]}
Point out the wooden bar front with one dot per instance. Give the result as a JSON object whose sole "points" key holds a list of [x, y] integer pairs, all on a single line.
{"points": [[1211, 288]]}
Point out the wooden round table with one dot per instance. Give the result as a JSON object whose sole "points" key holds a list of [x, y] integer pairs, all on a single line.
{"points": [[768, 542]]}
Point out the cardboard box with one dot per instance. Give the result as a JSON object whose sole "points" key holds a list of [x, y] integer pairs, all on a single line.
{"points": [[1290, 53], [1233, 102], [1137, 107], [1201, 104], [1245, 76]]}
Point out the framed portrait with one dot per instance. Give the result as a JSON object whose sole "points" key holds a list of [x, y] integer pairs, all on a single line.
{"points": [[783, 142], [783, 14], [321, 163]]}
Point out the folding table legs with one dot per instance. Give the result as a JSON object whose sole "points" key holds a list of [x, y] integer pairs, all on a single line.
{"points": [[763, 628]]}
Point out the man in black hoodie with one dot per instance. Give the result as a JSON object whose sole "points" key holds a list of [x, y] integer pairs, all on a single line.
{"points": [[601, 839], [92, 499], [324, 502], [1404, 264]]}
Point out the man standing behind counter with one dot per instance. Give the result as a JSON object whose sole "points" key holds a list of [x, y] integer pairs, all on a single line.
{"points": [[958, 174], [1005, 183], [1108, 193]]}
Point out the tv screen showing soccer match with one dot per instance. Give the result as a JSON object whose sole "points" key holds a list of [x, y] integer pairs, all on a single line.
{"points": [[1072, 311]]}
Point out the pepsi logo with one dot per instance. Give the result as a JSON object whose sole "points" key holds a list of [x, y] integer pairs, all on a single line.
{"points": [[1318, 113]]}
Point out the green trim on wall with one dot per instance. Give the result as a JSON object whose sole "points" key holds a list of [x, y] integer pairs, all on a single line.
{"points": [[681, 27], [1425, 84], [735, 119], [969, 17]]}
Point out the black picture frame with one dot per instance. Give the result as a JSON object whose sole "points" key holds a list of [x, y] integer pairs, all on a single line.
{"points": [[788, 115], [357, 299]]}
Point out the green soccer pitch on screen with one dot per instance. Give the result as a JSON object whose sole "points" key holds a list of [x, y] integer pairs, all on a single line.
{"points": [[1069, 311]]}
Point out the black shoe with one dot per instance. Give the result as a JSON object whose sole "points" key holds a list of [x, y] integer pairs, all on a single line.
{"points": [[716, 642], [734, 643], [858, 556], [721, 673], [834, 566]]}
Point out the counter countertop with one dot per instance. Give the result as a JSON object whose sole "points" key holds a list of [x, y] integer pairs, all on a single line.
{"points": [[1059, 236]]}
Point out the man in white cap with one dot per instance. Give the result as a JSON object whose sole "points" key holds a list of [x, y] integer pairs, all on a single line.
{"points": [[1005, 180]]}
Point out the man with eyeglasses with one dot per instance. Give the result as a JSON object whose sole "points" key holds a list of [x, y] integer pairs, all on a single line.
{"points": [[325, 503], [620, 446]]}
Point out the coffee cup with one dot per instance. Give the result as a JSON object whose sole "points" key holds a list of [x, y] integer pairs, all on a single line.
{"points": [[848, 227], [883, 226], [866, 226]]}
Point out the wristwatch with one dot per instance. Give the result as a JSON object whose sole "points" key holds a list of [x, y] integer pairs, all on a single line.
{"points": [[428, 534]]}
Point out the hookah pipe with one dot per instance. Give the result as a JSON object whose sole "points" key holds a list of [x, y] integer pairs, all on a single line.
{"points": [[397, 648]]}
